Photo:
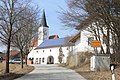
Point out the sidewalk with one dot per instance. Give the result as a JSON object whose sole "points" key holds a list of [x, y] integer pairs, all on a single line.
{"points": [[51, 72]]}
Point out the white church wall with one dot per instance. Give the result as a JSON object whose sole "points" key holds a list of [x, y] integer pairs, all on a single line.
{"points": [[65, 52], [39, 54], [40, 35]]}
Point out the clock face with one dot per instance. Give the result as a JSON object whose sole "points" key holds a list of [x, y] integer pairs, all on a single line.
{"points": [[45, 32]]}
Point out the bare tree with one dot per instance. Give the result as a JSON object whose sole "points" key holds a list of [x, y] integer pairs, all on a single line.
{"points": [[22, 39], [74, 15], [107, 12], [104, 13], [9, 12], [83, 18]]}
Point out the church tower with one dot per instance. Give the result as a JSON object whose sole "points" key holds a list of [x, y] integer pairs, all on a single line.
{"points": [[43, 30]]}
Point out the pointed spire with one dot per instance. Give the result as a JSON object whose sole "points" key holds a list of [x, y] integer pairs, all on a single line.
{"points": [[43, 21]]}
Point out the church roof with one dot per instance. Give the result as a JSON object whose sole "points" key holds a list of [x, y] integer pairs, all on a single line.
{"points": [[43, 21], [55, 43]]}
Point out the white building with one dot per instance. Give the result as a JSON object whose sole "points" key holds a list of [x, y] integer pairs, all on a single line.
{"points": [[82, 42], [48, 50]]}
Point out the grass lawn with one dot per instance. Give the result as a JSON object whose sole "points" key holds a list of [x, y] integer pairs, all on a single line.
{"points": [[15, 71]]}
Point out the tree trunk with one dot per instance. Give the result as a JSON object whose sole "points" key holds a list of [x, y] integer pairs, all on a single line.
{"points": [[118, 50], [108, 42], [7, 58], [26, 59], [8, 51], [21, 53]]}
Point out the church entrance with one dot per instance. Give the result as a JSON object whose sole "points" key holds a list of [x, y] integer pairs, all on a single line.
{"points": [[50, 60]]}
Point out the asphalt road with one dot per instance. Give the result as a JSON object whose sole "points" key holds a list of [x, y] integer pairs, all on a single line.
{"points": [[51, 72]]}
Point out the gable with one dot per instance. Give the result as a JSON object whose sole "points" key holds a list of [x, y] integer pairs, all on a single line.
{"points": [[75, 38]]}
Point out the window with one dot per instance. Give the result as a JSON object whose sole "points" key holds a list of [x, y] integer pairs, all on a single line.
{"points": [[43, 60], [43, 51], [90, 39], [36, 51], [31, 58], [39, 60], [50, 50], [67, 49], [36, 61]]}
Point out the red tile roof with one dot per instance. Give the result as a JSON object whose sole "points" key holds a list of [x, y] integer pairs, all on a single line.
{"points": [[35, 42], [3, 55], [14, 52], [53, 37]]}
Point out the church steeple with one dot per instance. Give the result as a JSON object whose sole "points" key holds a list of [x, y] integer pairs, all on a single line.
{"points": [[43, 21], [43, 30]]}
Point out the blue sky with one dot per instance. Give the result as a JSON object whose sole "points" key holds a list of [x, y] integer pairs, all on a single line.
{"points": [[52, 7]]}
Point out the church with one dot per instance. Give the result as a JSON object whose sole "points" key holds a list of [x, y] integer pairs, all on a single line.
{"points": [[49, 49]]}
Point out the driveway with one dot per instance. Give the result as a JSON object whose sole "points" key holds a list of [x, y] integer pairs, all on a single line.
{"points": [[51, 72]]}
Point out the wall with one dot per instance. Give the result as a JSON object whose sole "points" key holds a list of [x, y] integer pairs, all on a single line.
{"points": [[45, 53], [81, 44], [43, 33], [78, 59], [100, 62], [31, 54]]}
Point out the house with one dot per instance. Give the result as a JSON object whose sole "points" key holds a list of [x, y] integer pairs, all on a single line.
{"points": [[82, 42], [82, 45], [2, 55], [50, 49], [14, 54]]}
